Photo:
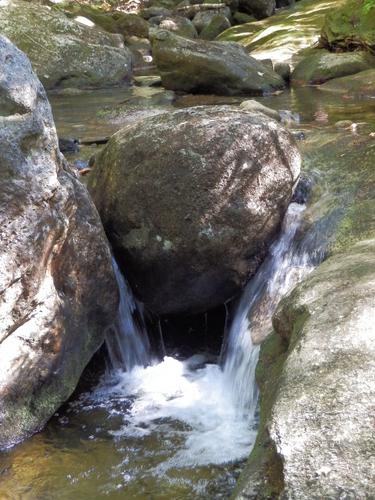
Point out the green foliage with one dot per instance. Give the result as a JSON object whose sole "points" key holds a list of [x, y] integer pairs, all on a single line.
{"points": [[368, 5]]}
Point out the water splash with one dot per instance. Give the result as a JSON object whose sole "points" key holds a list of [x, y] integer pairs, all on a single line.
{"points": [[288, 262], [127, 341], [203, 413]]}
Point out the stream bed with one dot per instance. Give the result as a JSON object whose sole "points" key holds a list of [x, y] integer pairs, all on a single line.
{"points": [[171, 430]]}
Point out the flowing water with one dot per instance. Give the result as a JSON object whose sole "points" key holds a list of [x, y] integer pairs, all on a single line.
{"points": [[181, 429]]}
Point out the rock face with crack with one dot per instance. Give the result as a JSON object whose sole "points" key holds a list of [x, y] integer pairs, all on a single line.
{"points": [[57, 289], [191, 201]]}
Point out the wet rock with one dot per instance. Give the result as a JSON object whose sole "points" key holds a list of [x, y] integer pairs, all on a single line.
{"points": [[67, 145], [217, 25], [155, 12], [212, 67], [317, 381], [322, 66], [257, 107], [283, 69], [64, 53], [282, 36], [359, 85], [58, 292], [203, 19], [349, 26], [180, 26], [192, 216], [258, 8]]}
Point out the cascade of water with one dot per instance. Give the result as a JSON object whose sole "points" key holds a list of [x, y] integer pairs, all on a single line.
{"points": [[216, 404], [288, 262], [127, 341]]}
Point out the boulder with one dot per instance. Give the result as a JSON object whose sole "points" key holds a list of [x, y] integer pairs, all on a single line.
{"points": [[58, 292], [217, 25], [179, 25], [359, 85], [258, 8], [317, 382], [322, 66], [212, 67], [282, 36], [350, 26], [64, 52], [203, 19], [192, 216], [113, 22]]}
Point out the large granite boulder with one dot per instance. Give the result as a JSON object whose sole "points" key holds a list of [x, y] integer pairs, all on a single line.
{"points": [[317, 382], [191, 201], [65, 52], [58, 292], [212, 67]]}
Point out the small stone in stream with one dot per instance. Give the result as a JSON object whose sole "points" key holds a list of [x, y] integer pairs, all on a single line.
{"points": [[282, 69], [299, 136], [288, 116], [68, 145], [343, 124], [80, 164], [303, 190]]}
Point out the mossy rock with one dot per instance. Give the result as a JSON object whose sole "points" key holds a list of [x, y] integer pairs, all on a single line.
{"points": [[350, 27], [217, 25], [359, 85], [322, 66], [64, 52], [282, 36]]}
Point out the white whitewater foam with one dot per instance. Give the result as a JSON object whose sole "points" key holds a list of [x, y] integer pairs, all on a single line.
{"points": [[209, 412], [171, 392]]}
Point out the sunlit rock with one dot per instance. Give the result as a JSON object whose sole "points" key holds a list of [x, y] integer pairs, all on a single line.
{"points": [[57, 290], [191, 201]]}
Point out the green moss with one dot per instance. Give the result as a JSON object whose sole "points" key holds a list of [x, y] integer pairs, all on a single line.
{"points": [[350, 27]]}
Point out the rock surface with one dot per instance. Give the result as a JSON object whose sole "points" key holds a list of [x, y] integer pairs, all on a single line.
{"points": [[282, 36], [180, 26], [217, 25], [317, 381], [65, 52], [351, 26], [58, 292], [216, 67], [192, 216], [322, 66], [359, 85], [259, 8]]}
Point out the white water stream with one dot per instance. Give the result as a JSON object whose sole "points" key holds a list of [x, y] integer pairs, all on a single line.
{"points": [[210, 409]]}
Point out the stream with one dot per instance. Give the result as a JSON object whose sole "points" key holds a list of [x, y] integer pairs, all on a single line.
{"points": [[182, 429]]}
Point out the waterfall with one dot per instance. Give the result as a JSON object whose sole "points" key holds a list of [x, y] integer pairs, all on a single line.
{"points": [[288, 262], [127, 341], [208, 409]]}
